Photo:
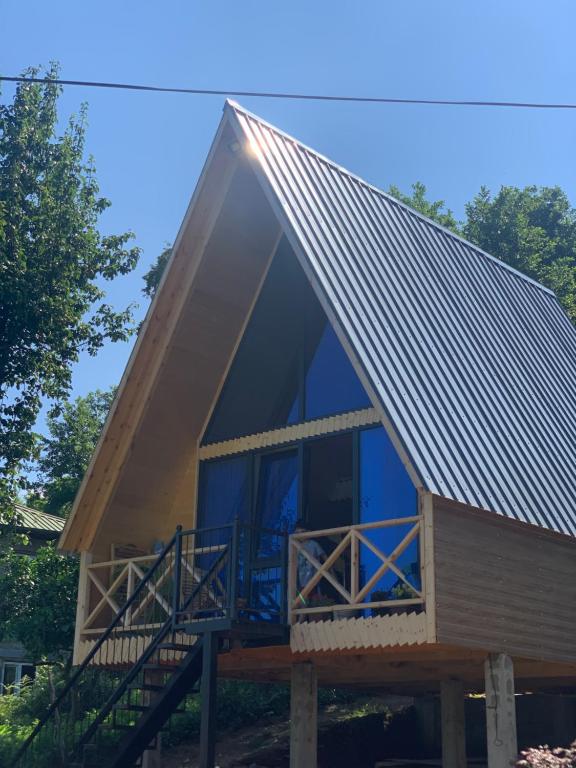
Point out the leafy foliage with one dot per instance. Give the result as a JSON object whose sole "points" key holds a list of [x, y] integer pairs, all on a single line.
{"points": [[532, 229], [38, 601], [153, 277], [546, 757], [52, 259], [436, 211], [65, 454]]}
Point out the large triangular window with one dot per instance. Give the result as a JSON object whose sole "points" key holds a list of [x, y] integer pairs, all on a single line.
{"points": [[289, 366]]}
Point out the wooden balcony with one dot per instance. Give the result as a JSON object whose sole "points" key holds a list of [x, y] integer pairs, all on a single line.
{"points": [[357, 586], [348, 588]]}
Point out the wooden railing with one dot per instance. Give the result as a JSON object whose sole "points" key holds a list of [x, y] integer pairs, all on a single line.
{"points": [[112, 583], [337, 580]]}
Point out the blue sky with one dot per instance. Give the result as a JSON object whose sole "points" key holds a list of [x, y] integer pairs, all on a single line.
{"points": [[149, 149]]}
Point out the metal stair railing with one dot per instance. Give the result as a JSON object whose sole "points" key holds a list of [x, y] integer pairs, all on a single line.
{"points": [[209, 580]]}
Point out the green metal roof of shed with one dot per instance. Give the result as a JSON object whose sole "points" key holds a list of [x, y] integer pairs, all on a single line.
{"points": [[34, 520]]}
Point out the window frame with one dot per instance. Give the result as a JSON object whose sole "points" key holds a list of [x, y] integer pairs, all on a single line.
{"points": [[17, 684]]}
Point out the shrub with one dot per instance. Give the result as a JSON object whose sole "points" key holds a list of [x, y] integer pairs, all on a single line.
{"points": [[545, 757]]}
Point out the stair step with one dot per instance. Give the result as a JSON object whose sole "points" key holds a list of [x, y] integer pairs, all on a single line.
{"points": [[133, 708], [175, 647], [161, 667], [148, 687], [116, 727]]}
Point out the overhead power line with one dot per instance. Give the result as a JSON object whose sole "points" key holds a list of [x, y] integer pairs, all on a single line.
{"points": [[293, 96]]}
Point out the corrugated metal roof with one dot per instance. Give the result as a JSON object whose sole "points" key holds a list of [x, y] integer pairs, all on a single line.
{"points": [[473, 363], [33, 520]]}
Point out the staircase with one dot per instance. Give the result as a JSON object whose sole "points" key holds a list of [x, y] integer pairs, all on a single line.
{"points": [[140, 671]]}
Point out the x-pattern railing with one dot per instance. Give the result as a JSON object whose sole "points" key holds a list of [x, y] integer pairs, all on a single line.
{"points": [[115, 581], [341, 568]]}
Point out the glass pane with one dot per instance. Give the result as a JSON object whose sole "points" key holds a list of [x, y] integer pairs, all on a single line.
{"points": [[386, 492], [332, 385], [328, 482], [11, 678], [262, 388], [277, 498], [224, 492]]}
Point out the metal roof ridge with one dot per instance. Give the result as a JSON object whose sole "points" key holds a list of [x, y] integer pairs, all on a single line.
{"points": [[234, 106]]}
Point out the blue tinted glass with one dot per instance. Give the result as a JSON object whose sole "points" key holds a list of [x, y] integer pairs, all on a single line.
{"points": [[386, 492], [261, 391], [224, 492], [277, 498], [332, 385]]}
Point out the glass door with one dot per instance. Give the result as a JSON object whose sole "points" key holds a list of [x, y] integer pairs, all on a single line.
{"points": [[275, 512]]}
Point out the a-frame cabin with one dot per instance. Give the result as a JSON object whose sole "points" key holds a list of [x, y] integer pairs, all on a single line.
{"points": [[318, 352]]}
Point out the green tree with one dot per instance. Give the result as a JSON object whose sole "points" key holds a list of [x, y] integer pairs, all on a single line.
{"points": [[436, 211], [65, 454], [154, 275], [532, 229], [53, 260], [38, 601]]}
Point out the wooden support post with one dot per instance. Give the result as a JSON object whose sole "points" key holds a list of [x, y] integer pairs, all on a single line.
{"points": [[500, 711], [304, 716], [453, 724], [82, 605], [208, 701]]}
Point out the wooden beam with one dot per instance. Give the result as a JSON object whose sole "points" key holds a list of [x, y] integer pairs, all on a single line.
{"points": [[83, 604], [290, 434], [303, 716], [427, 557], [453, 724]]}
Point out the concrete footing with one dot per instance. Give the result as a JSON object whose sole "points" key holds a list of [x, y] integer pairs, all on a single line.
{"points": [[502, 740]]}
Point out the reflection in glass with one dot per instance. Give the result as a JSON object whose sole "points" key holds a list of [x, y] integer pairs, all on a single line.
{"points": [[289, 365], [277, 501], [224, 492], [386, 493], [332, 385], [262, 388]]}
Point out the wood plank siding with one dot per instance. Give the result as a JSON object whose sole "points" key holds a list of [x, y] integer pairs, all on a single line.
{"points": [[502, 585]]}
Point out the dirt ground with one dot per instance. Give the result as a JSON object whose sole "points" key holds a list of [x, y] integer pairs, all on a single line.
{"points": [[346, 739]]}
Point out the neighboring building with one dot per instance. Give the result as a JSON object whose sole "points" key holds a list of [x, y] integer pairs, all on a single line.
{"points": [[318, 350], [39, 528]]}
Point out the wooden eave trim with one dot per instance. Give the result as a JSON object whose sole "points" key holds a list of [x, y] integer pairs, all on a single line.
{"points": [[158, 327]]}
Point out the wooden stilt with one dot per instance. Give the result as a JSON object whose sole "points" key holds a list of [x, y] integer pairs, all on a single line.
{"points": [[500, 711], [453, 724], [304, 716]]}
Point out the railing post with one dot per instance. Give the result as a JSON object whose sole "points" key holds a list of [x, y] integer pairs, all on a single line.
{"points": [[177, 575], [233, 583], [354, 565], [284, 579], [292, 585]]}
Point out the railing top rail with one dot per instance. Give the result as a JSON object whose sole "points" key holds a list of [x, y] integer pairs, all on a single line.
{"points": [[153, 557], [355, 527]]}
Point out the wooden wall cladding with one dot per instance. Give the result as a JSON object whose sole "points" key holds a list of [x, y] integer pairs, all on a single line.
{"points": [[503, 586]]}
